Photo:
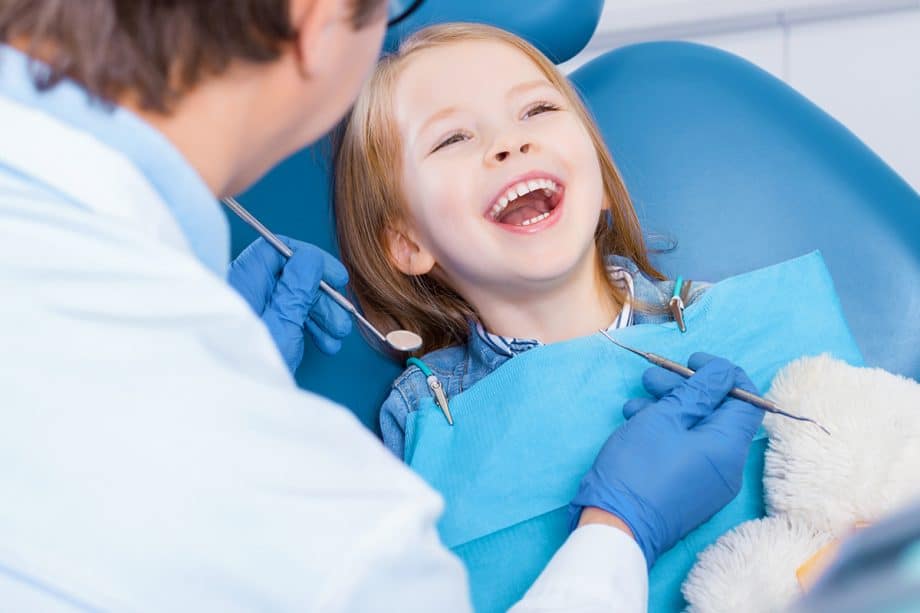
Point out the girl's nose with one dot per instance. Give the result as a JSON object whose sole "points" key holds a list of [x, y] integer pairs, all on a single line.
{"points": [[502, 154]]}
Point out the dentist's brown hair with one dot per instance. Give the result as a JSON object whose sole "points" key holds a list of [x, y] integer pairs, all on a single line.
{"points": [[152, 50], [370, 205]]}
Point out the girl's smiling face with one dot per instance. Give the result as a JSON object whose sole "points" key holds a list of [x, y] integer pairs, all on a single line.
{"points": [[501, 179]]}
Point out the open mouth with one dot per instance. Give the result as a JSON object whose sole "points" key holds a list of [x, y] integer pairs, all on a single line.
{"points": [[526, 203]]}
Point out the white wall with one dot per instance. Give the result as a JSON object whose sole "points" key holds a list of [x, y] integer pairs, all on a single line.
{"points": [[857, 59]]}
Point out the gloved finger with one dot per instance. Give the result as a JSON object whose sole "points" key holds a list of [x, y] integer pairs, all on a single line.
{"points": [[634, 405], [698, 396], [288, 337], [296, 290], [700, 359], [659, 382], [330, 317], [325, 343], [733, 416], [334, 272], [254, 271], [259, 256]]}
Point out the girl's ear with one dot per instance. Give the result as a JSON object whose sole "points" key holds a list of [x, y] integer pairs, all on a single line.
{"points": [[407, 254]]}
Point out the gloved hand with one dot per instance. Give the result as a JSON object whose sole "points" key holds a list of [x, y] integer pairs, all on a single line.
{"points": [[679, 457], [286, 295]]}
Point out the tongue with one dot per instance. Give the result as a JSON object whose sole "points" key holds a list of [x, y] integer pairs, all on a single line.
{"points": [[523, 208]]}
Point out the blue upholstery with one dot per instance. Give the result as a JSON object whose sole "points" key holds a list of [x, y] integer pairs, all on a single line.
{"points": [[558, 28], [745, 172]]}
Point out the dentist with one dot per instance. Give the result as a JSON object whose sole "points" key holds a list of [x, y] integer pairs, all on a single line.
{"points": [[155, 453]]}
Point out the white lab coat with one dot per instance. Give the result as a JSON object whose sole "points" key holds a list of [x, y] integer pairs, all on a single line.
{"points": [[155, 454]]}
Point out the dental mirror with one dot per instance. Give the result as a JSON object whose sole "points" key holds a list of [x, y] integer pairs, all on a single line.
{"points": [[403, 340]]}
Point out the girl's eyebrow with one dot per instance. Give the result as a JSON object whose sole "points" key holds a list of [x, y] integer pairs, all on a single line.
{"points": [[527, 86], [445, 112], [450, 110]]}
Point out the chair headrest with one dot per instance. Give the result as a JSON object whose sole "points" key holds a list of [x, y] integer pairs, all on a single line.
{"points": [[558, 28]]}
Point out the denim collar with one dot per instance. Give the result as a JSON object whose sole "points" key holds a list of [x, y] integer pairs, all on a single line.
{"points": [[181, 188], [482, 343]]}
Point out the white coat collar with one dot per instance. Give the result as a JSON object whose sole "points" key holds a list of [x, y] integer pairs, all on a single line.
{"points": [[53, 153], [106, 159]]}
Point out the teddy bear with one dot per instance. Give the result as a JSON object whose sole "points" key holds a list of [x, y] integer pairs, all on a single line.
{"points": [[817, 487]]}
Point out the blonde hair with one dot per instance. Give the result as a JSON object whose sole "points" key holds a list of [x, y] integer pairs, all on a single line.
{"points": [[369, 200]]}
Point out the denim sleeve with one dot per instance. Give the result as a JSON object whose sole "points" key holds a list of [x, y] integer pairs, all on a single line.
{"points": [[393, 415]]}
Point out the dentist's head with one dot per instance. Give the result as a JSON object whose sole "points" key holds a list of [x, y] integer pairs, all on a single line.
{"points": [[237, 85]]}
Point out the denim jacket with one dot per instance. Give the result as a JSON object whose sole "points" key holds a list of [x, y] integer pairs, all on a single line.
{"points": [[461, 366]]}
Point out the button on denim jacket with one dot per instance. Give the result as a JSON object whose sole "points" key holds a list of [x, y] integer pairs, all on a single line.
{"points": [[460, 367]]}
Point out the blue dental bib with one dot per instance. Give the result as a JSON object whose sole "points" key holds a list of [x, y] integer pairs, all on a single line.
{"points": [[524, 436]]}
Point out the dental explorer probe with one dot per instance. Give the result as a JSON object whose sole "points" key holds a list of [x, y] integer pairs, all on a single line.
{"points": [[400, 340], [735, 392]]}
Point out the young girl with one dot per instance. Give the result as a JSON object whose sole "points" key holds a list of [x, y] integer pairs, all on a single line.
{"points": [[477, 205]]}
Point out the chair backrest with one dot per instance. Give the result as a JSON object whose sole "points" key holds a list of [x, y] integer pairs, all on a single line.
{"points": [[294, 198], [743, 171]]}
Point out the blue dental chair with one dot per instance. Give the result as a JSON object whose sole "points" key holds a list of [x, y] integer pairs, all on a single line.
{"points": [[740, 169]]}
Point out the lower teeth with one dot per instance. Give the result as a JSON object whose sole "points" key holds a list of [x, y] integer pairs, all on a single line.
{"points": [[535, 219]]}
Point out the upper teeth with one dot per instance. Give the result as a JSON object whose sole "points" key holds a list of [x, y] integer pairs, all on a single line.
{"points": [[519, 189]]}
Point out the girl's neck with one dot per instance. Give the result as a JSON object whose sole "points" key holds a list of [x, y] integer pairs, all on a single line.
{"points": [[578, 307]]}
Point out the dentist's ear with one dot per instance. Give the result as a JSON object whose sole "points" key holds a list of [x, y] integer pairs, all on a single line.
{"points": [[407, 255], [318, 26]]}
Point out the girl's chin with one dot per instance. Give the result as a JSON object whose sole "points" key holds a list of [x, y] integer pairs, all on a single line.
{"points": [[551, 273]]}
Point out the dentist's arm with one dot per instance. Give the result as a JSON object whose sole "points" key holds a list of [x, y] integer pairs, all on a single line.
{"points": [[286, 295], [674, 464]]}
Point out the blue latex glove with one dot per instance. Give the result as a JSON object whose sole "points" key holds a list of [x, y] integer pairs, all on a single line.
{"points": [[679, 457], [286, 295]]}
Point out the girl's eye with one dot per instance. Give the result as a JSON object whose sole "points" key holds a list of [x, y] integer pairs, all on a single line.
{"points": [[541, 107], [450, 140]]}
